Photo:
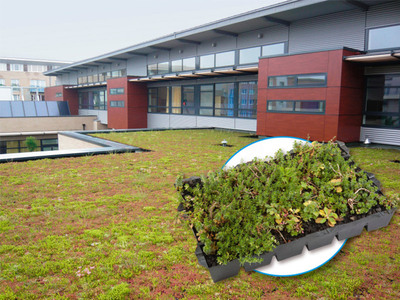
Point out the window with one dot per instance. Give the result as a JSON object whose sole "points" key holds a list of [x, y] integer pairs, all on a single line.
{"points": [[247, 104], [158, 69], [176, 65], [152, 69], [14, 82], [17, 67], [38, 83], [189, 64], [3, 67], [382, 104], [249, 56], [163, 68], [176, 100], [206, 100], [2, 82], [296, 106], [224, 99], [188, 105], [158, 101], [117, 91], [225, 59], [58, 95], [384, 38], [37, 68], [207, 61], [297, 81], [273, 49], [117, 104], [95, 99]]}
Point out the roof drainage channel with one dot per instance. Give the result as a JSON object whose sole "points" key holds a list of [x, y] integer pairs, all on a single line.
{"points": [[107, 147]]}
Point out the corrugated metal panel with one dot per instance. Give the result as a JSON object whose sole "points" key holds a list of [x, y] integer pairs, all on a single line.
{"points": [[245, 124], [382, 70], [157, 121], [380, 135], [228, 123], [177, 121], [328, 32], [384, 14]]}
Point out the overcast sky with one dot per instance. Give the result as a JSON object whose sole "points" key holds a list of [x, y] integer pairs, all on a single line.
{"points": [[74, 30]]}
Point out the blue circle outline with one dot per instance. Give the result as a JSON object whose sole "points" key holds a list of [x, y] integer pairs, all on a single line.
{"points": [[308, 270], [291, 137], [268, 138]]}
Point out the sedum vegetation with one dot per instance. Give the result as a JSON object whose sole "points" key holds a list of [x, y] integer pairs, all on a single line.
{"points": [[106, 227], [239, 212]]}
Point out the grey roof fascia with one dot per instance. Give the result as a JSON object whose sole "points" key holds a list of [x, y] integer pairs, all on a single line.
{"points": [[216, 25]]}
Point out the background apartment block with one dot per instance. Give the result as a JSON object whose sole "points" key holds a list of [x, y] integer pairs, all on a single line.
{"points": [[23, 79]]}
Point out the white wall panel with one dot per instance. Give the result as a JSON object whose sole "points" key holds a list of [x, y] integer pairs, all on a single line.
{"points": [[246, 124], [179, 121], [158, 121]]}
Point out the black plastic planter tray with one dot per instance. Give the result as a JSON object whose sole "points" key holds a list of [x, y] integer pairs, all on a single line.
{"points": [[311, 241]]}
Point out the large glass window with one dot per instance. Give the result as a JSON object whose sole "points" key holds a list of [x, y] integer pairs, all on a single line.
{"points": [[297, 81], [249, 56], [384, 38], [382, 105], [225, 59], [221, 99], [224, 99], [247, 104], [273, 49]]}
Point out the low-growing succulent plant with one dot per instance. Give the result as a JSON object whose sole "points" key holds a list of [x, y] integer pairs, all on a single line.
{"points": [[244, 211]]}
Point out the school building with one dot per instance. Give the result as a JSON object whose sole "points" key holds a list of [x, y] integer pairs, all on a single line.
{"points": [[305, 68]]}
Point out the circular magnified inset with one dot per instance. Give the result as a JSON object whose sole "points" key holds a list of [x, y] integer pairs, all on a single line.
{"points": [[308, 260]]}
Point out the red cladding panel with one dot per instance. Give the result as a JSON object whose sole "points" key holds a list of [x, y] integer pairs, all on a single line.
{"points": [[134, 112], [343, 95], [69, 95]]}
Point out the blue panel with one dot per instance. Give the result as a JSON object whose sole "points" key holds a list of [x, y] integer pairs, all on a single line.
{"points": [[52, 107], [41, 109], [30, 110], [17, 109], [64, 108], [5, 109]]}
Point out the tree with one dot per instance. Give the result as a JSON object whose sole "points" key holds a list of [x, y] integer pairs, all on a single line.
{"points": [[31, 143]]}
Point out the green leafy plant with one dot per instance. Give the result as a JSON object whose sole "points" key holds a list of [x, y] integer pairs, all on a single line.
{"points": [[245, 211]]}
